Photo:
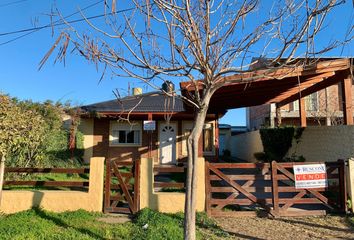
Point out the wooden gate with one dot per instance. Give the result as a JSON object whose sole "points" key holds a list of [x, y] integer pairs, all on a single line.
{"points": [[122, 187], [248, 189], [289, 201], [238, 188]]}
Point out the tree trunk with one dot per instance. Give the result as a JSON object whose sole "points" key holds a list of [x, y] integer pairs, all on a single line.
{"points": [[2, 173], [191, 181]]}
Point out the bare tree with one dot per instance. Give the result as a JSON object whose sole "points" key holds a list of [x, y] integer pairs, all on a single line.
{"points": [[199, 41]]}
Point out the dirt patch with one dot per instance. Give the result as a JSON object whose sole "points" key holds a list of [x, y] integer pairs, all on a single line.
{"points": [[114, 218], [324, 227]]}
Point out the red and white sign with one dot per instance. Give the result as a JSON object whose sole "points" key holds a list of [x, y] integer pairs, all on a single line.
{"points": [[310, 176]]}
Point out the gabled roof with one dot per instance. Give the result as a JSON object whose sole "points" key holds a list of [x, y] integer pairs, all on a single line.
{"points": [[148, 102]]}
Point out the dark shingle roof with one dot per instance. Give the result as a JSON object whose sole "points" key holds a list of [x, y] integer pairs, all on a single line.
{"points": [[148, 102]]}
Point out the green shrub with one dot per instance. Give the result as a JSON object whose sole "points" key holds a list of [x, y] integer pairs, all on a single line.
{"points": [[277, 141], [58, 152], [51, 147], [79, 144]]}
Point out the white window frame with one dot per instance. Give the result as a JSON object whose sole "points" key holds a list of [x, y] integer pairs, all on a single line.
{"points": [[124, 126]]}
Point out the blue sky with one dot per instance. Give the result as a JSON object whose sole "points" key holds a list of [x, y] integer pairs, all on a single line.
{"points": [[77, 81]]}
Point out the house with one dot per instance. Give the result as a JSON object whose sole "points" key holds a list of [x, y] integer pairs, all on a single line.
{"points": [[323, 107], [158, 125], [144, 125]]}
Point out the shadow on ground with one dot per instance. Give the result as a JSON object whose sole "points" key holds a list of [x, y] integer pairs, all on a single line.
{"points": [[61, 223]]}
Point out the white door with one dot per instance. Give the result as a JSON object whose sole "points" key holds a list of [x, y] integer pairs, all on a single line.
{"points": [[221, 144], [167, 139]]}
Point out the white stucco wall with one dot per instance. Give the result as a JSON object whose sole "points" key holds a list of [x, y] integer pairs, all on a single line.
{"points": [[227, 135], [244, 145], [325, 143], [317, 143]]}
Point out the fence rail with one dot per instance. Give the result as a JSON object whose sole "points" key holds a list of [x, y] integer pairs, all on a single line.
{"points": [[49, 183], [47, 170], [169, 178]]}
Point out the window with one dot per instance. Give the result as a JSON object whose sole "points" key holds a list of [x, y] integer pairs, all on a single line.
{"points": [[294, 106], [125, 134], [311, 102], [207, 138]]}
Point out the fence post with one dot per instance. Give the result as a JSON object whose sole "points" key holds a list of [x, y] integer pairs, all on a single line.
{"points": [[342, 185], [96, 183], [107, 192], [207, 188], [275, 193], [350, 176], [137, 185]]}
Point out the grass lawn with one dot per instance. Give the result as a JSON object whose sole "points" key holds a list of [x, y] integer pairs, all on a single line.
{"points": [[56, 177], [40, 224]]}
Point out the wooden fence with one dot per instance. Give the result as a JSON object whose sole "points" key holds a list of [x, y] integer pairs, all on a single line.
{"points": [[169, 178], [49, 183], [249, 189]]}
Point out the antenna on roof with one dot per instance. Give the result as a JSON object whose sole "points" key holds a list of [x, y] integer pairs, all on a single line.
{"points": [[129, 89]]}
